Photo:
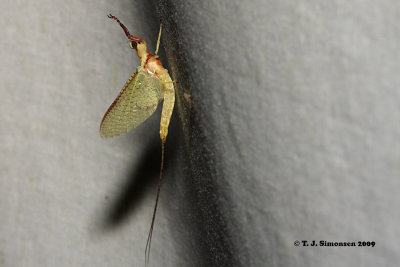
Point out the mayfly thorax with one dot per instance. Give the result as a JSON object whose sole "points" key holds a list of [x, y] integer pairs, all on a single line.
{"points": [[148, 85]]}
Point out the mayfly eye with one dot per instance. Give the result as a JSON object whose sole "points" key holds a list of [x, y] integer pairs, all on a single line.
{"points": [[132, 45]]}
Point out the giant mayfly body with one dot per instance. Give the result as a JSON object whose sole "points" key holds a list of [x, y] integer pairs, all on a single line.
{"points": [[148, 85]]}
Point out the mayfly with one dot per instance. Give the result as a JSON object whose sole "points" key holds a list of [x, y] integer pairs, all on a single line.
{"points": [[137, 101]]}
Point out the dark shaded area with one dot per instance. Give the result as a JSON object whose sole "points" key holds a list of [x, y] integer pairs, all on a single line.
{"points": [[210, 233], [203, 208]]}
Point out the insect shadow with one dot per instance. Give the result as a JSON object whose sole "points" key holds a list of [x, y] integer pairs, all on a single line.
{"points": [[142, 177]]}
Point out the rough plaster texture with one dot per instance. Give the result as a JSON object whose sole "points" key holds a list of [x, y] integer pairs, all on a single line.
{"points": [[286, 128]]}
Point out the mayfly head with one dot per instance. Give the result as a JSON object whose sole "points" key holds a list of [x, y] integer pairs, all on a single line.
{"points": [[136, 43], [139, 46]]}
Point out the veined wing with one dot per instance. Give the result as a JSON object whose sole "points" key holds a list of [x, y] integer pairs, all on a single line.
{"points": [[136, 102]]}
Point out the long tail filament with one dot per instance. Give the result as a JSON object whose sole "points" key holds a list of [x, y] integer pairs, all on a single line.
{"points": [[148, 244]]}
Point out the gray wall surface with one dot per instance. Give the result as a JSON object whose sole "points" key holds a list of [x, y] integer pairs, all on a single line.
{"points": [[286, 127]]}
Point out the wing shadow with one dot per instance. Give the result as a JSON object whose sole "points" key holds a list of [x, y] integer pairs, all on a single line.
{"points": [[143, 177]]}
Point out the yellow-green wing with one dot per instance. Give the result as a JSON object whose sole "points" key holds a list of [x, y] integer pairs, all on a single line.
{"points": [[135, 103]]}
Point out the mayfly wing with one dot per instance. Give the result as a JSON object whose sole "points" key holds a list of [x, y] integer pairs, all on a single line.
{"points": [[136, 102]]}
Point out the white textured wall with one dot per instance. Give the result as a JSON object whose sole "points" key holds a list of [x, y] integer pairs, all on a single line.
{"points": [[292, 133]]}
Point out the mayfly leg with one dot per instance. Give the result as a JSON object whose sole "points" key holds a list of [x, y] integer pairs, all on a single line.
{"points": [[158, 40]]}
